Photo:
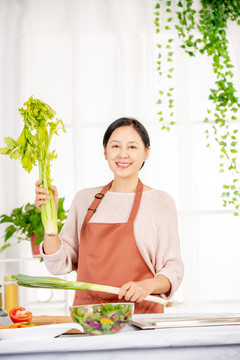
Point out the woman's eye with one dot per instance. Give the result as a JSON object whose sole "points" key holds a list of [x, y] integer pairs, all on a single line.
{"points": [[132, 147], [115, 146]]}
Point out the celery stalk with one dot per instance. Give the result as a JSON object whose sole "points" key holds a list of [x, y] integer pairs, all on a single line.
{"points": [[33, 146]]}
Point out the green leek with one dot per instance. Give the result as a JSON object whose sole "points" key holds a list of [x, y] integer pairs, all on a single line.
{"points": [[58, 283], [33, 146]]}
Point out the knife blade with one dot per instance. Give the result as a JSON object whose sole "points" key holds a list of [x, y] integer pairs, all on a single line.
{"points": [[4, 317]]}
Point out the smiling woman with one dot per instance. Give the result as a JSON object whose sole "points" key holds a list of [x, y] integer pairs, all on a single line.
{"points": [[123, 234], [126, 147]]}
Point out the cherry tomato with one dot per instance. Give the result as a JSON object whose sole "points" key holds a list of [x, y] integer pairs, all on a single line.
{"points": [[20, 314]]}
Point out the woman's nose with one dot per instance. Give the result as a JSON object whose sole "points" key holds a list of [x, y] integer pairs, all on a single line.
{"points": [[123, 152]]}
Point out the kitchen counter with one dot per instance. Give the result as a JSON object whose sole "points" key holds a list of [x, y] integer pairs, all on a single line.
{"points": [[208, 342]]}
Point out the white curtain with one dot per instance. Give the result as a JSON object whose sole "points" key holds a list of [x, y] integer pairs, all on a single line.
{"points": [[94, 61]]}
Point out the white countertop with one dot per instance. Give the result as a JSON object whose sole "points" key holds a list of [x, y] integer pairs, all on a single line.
{"points": [[189, 342]]}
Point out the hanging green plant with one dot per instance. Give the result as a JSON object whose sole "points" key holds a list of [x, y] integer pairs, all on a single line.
{"points": [[211, 39], [165, 68]]}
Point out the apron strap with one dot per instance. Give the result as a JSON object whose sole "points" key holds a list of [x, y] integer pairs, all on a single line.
{"points": [[94, 205], [98, 197], [136, 203]]}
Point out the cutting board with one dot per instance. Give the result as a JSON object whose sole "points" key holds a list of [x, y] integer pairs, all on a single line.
{"points": [[47, 319]]}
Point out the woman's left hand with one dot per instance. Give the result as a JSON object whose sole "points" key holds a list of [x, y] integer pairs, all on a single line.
{"points": [[135, 291]]}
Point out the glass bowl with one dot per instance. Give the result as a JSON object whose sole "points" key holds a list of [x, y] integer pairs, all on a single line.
{"points": [[99, 319]]}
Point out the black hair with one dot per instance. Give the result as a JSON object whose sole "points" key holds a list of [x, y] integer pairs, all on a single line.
{"points": [[125, 121]]}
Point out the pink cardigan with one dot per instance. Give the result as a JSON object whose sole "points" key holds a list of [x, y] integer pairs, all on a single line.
{"points": [[155, 228]]}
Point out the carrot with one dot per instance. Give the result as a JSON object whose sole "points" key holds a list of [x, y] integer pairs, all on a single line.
{"points": [[17, 325]]}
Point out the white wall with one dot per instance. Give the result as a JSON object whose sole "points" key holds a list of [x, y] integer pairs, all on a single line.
{"points": [[94, 61]]}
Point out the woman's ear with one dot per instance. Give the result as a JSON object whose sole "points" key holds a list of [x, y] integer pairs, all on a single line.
{"points": [[105, 153], [147, 152]]}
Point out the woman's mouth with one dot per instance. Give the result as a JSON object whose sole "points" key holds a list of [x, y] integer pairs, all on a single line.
{"points": [[123, 165]]}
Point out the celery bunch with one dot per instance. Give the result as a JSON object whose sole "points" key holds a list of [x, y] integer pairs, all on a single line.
{"points": [[33, 146], [58, 283]]}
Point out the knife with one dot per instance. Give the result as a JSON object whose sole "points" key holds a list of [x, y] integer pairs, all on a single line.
{"points": [[4, 318]]}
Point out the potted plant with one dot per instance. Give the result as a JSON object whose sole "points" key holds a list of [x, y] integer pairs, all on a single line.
{"points": [[26, 224]]}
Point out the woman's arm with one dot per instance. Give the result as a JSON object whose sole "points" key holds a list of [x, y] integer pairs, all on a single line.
{"points": [[60, 252], [51, 244], [165, 250]]}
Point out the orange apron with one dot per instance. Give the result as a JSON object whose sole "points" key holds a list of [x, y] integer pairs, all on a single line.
{"points": [[108, 255]]}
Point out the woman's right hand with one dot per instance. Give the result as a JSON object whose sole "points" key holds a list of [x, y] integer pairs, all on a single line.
{"points": [[42, 195]]}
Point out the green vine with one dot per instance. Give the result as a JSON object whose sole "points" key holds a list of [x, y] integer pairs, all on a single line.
{"points": [[211, 39], [165, 70]]}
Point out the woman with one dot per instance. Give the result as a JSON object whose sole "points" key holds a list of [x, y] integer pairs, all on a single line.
{"points": [[124, 234]]}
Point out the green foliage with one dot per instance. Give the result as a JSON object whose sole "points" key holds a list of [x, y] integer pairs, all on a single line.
{"points": [[211, 39], [33, 146], [165, 51], [25, 221]]}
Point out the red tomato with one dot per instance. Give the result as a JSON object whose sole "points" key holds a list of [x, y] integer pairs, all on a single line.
{"points": [[116, 328], [20, 314]]}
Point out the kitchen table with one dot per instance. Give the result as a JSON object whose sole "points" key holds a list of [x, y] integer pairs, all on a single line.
{"points": [[206, 342]]}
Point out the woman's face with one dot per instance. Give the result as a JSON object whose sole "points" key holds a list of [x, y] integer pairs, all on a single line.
{"points": [[125, 152]]}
